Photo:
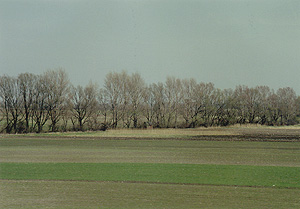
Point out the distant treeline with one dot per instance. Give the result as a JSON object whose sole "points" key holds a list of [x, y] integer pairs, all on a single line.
{"points": [[49, 102]]}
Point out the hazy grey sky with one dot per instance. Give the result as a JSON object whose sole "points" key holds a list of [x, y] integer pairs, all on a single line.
{"points": [[227, 42]]}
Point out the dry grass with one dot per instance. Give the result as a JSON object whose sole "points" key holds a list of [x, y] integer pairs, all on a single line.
{"points": [[236, 133], [162, 133], [147, 133]]}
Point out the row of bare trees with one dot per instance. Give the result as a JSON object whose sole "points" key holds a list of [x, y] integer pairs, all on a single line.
{"points": [[49, 102], [29, 101]]}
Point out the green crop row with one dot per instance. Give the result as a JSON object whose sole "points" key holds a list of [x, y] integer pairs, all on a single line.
{"points": [[239, 175]]}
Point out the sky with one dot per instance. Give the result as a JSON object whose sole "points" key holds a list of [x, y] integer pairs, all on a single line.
{"points": [[226, 42]]}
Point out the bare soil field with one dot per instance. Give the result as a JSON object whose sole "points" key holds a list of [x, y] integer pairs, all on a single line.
{"points": [[100, 150], [74, 194]]}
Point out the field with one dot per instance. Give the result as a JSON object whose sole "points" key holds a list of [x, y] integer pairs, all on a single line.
{"points": [[251, 167]]}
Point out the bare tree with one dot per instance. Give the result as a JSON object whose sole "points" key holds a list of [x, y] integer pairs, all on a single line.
{"points": [[264, 93], [298, 107], [136, 89], [273, 109], [249, 101], [196, 108], [188, 110], [27, 84], [204, 102], [103, 104], [5, 101], [287, 105], [148, 105], [216, 107], [40, 107], [229, 111], [174, 95], [115, 89], [159, 107], [58, 86], [11, 102], [84, 104]]}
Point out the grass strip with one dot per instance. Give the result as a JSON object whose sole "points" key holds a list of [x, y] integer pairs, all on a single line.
{"points": [[240, 175]]}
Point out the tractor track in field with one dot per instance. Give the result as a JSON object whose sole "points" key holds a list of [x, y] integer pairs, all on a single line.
{"points": [[143, 182]]}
